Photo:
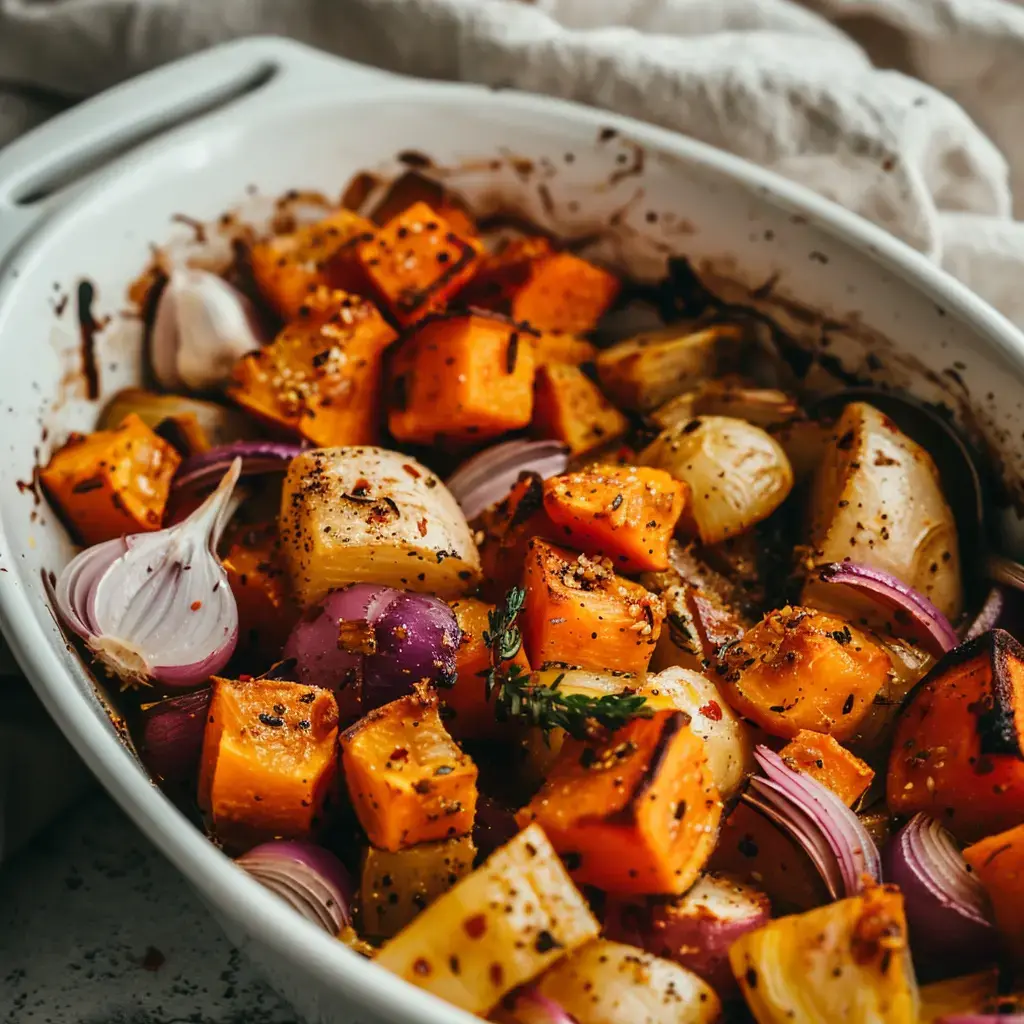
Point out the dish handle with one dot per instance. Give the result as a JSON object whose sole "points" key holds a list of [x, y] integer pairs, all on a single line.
{"points": [[43, 169]]}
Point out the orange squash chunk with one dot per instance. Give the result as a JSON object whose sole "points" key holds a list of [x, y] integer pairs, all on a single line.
{"points": [[958, 751], [408, 781], [998, 861], [563, 347], [801, 669], [467, 377], [266, 612], [627, 513], [417, 262], [636, 812], [468, 712], [269, 759], [321, 377], [829, 763], [289, 268], [111, 482], [413, 187], [579, 612], [569, 407]]}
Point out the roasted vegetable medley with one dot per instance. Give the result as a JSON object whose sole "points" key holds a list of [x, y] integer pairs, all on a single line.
{"points": [[571, 671]]}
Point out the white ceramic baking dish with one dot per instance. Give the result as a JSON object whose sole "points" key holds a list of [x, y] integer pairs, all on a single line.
{"points": [[275, 115]]}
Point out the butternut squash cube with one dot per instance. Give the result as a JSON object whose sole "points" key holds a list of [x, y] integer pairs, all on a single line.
{"points": [[468, 377], [579, 612], [563, 347], [269, 759], [408, 781], [288, 268], [112, 482], [636, 812], [413, 187], [998, 861], [829, 763], [320, 378], [569, 407]]}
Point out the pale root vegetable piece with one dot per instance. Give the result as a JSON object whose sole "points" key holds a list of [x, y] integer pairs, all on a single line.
{"points": [[697, 624], [877, 501], [736, 472], [269, 760], [569, 407], [408, 781], [998, 861], [219, 424], [496, 929], [848, 961], [728, 742], [350, 515], [765, 407], [829, 763], [611, 983], [644, 371], [397, 886], [802, 669]]}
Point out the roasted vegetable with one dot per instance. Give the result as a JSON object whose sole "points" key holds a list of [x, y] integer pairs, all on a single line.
{"points": [[416, 262], [877, 501], [696, 929], [958, 751], [569, 407], [413, 187], [636, 812], [998, 861], [737, 474], [727, 740], [801, 669], [465, 377], [611, 983], [578, 611], [111, 482], [964, 995], [397, 886], [649, 369], [562, 347], [697, 625], [468, 713], [408, 781], [354, 514], [269, 760], [218, 424], [495, 929], [625, 513], [764, 407], [289, 267], [829, 763]]}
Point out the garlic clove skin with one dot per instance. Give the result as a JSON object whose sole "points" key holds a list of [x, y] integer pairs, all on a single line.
{"points": [[203, 326]]}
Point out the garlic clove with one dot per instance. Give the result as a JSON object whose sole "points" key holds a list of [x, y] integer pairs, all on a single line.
{"points": [[203, 326]]}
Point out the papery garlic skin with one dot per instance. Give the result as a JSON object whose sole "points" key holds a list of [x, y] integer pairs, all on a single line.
{"points": [[203, 326]]}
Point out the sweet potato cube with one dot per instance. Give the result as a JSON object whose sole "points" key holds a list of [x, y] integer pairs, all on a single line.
{"points": [[563, 347], [397, 886], [269, 759], [569, 407], [256, 574], [111, 482], [467, 377], [408, 781], [958, 751], [468, 712], [413, 187], [289, 268], [829, 763], [998, 861], [578, 611], [636, 812], [626, 513], [417, 262], [321, 377]]}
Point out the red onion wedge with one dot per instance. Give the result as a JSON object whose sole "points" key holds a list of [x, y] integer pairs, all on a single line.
{"points": [[831, 834], [157, 607], [258, 457], [912, 611], [528, 1006], [172, 735], [370, 644], [948, 914], [308, 877], [488, 476]]}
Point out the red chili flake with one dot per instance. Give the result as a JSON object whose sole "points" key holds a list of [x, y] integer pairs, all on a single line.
{"points": [[475, 926], [497, 975], [421, 967], [196, 605], [399, 754], [422, 527], [712, 710], [245, 678]]}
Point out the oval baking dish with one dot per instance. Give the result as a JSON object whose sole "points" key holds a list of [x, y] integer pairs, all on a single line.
{"points": [[265, 116]]}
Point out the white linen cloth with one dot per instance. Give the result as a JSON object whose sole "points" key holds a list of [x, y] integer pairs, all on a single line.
{"points": [[902, 110]]}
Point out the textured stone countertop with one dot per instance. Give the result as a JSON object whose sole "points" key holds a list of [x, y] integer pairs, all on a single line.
{"points": [[97, 928]]}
